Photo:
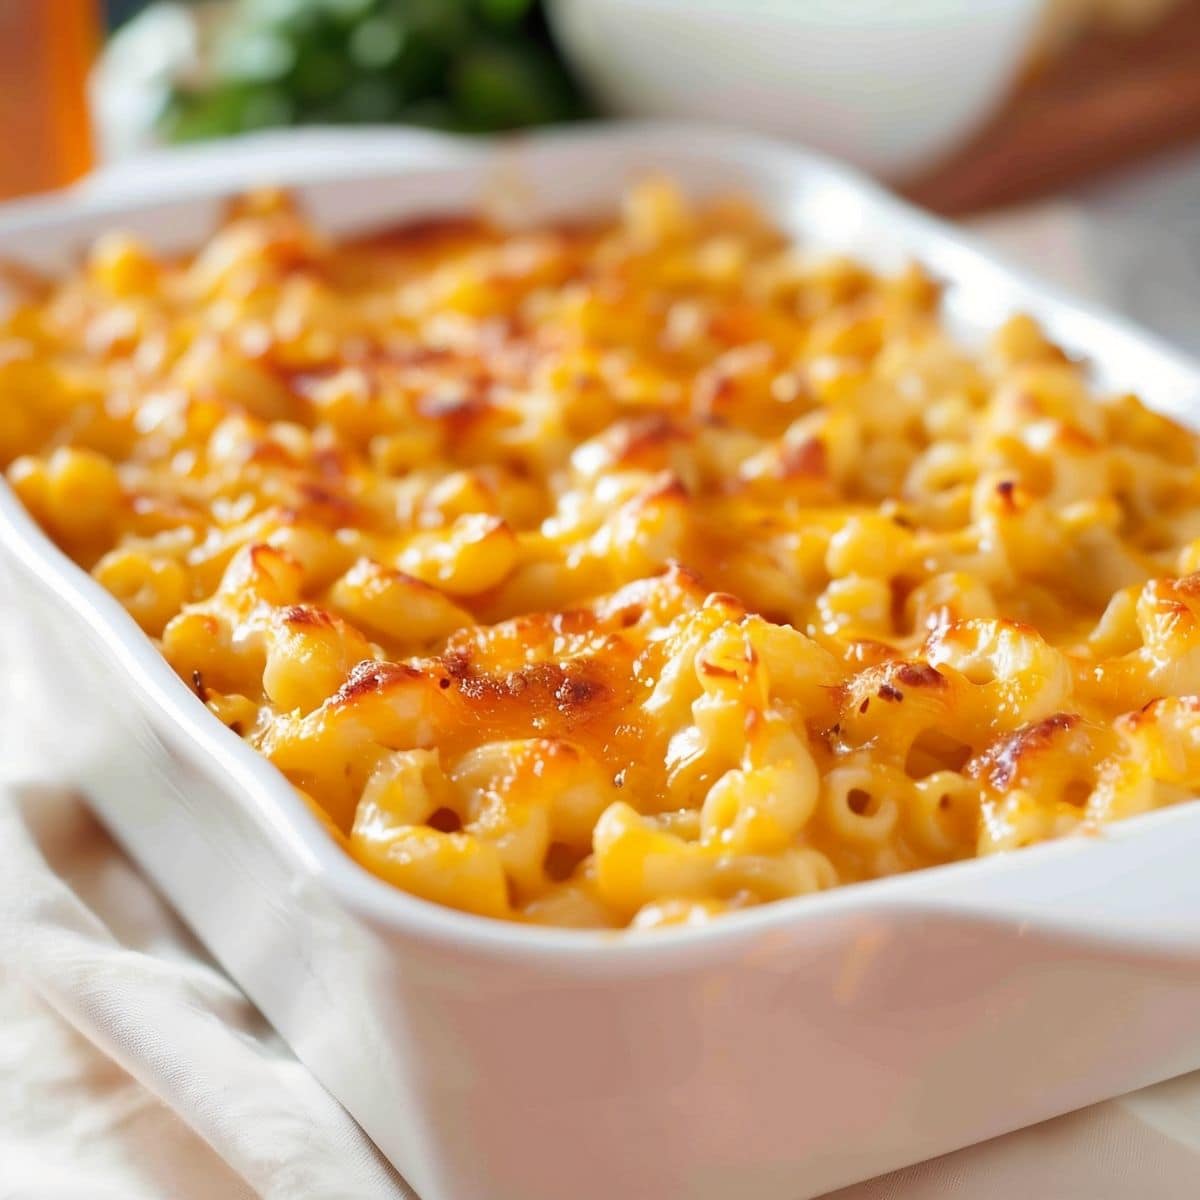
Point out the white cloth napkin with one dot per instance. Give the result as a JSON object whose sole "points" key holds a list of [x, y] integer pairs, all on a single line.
{"points": [[132, 1069]]}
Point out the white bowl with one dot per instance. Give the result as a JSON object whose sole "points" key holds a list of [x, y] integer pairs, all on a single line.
{"points": [[889, 85]]}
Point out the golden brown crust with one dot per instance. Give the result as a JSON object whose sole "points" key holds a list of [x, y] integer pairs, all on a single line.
{"points": [[1010, 758], [620, 572]]}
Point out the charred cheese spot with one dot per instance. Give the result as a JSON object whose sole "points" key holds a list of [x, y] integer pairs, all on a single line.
{"points": [[1009, 759]]}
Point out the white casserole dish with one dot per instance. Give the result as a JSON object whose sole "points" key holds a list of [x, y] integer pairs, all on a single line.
{"points": [[772, 1056]]}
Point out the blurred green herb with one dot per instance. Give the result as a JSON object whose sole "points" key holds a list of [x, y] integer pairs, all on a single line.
{"points": [[468, 65]]}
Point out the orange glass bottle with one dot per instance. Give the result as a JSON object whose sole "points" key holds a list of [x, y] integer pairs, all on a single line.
{"points": [[46, 49]]}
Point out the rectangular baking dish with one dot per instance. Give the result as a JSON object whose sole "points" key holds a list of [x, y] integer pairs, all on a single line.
{"points": [[773, 1056]]}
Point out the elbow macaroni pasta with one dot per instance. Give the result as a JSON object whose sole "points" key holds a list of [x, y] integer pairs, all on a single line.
{"points": [[620, 574]]}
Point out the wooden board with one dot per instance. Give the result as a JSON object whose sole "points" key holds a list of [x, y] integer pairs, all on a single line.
{"points": [[1110, 100]]}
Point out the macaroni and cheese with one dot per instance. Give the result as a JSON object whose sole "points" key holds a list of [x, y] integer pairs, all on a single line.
{"points": [[620, 573]]}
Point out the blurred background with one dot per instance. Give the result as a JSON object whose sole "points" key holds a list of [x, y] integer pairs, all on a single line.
{"points": [[970, 103], [968, 106]]}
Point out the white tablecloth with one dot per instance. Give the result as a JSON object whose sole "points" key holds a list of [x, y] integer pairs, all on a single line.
{"points": [[132, 1069]]}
